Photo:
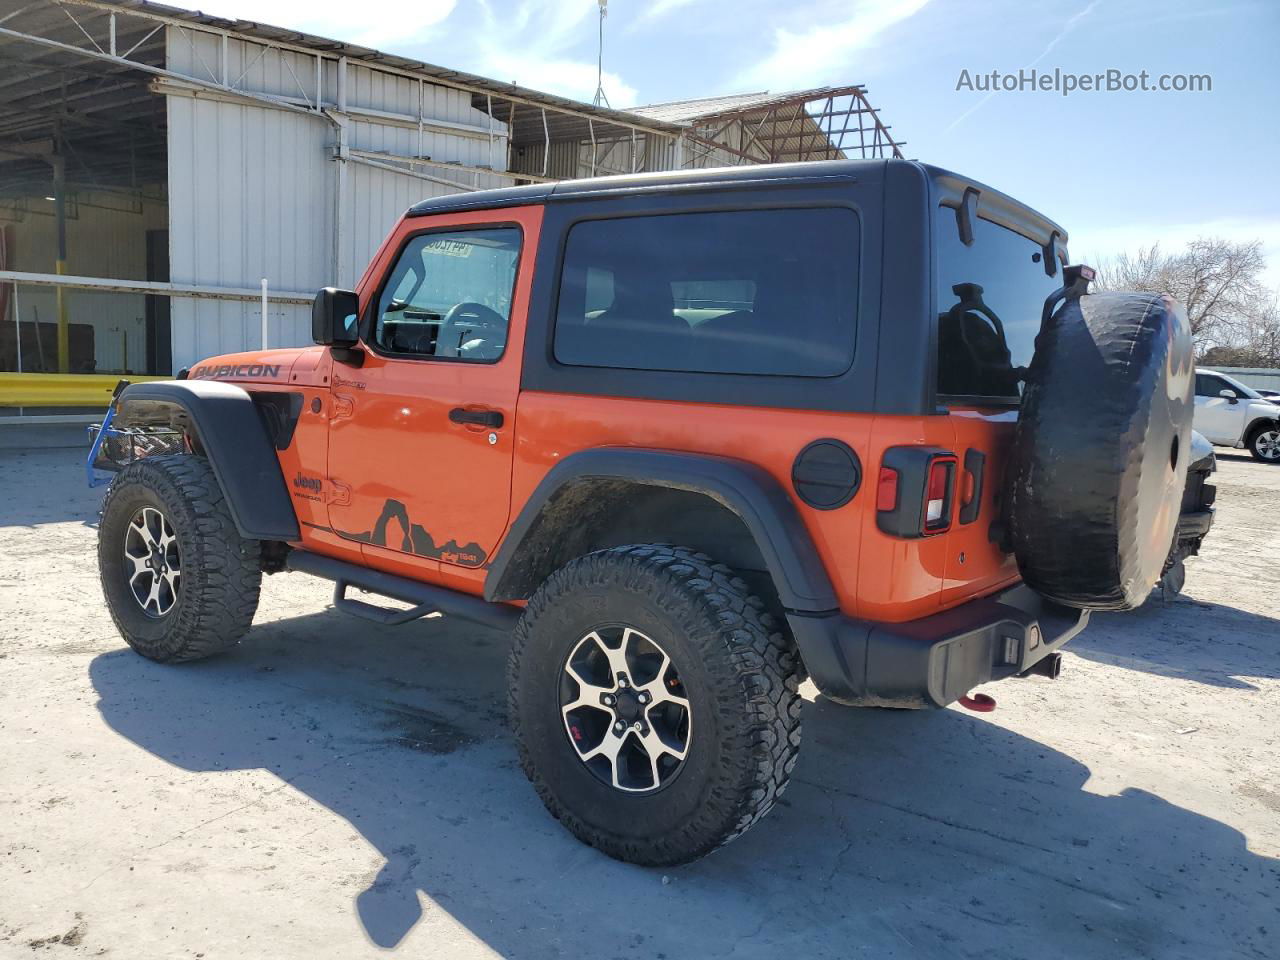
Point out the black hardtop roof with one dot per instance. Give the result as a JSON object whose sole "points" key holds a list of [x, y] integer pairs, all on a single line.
{"points": [[993, 204], [643, 182]]}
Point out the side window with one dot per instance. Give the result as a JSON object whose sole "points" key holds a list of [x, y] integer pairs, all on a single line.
{"points": [[770, 292], [1207, 386], [449, 295]]}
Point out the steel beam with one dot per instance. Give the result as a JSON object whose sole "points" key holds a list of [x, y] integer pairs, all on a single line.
{"points": [[184, 290]]}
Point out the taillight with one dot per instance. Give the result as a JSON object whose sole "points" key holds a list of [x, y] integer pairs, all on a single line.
{"points": [[887, 489], [938, 494], [916, 491]]}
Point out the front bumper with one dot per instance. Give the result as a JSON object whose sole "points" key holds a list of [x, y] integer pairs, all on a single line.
{"points": [[937, 659]]}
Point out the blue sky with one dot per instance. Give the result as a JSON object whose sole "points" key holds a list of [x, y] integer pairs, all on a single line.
{"points": [[1118, 169]]}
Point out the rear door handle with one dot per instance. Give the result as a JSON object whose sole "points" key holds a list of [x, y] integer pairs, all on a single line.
{"points": [[481, 418]]}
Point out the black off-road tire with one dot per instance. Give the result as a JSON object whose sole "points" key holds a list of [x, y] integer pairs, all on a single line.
{"points": [[739, 672], [217, 594]]}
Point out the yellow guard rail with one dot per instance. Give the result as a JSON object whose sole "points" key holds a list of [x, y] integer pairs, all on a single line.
{"points": [[62, 389]]}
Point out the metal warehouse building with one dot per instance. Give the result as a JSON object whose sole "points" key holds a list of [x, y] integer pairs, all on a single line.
{"points": [[160, 169]]}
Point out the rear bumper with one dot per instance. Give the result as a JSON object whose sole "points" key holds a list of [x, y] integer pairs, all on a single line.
{"points": [[1194, 524], [935, 660]]}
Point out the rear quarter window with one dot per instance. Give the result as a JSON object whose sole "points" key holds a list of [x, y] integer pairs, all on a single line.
{"points": [[770, 292]]}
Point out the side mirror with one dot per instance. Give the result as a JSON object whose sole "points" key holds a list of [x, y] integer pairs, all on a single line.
{"points": [[335, 318], [1228, 395]]}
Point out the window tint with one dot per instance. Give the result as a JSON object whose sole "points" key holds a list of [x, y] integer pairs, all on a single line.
{"points": [[745, 291], [990, 296], [1207, 386], [449, 295], [1242, 390]]}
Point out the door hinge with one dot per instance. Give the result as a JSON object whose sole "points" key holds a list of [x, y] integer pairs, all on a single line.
{"points": [[339, 493], [343, 406]]}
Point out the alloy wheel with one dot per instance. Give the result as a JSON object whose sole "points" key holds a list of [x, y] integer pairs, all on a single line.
{"points": [[625, 709], [1267, 444], [152, 562]]}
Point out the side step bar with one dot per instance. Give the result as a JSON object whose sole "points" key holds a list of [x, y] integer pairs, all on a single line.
{"points": [[427, 599]]}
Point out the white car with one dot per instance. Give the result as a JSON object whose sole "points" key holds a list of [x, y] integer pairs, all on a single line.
{"points": [[1232, 415]]}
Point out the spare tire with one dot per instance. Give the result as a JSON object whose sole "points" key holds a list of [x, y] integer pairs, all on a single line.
{"points": [[1101, 449]]}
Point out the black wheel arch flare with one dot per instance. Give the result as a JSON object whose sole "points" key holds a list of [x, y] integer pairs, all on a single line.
{"points": [[745, 489], [236, 442]]}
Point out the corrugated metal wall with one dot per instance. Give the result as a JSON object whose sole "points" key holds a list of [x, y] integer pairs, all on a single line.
{"points": [[253, 189], [250, 197]]}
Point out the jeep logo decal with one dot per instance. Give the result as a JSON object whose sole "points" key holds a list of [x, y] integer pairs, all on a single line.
{"points": [[307, 483], [270, 371]]}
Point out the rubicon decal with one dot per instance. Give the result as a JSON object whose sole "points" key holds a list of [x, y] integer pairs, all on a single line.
{"points": [[270, 371]]}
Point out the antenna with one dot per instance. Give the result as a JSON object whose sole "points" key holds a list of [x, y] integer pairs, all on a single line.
{"points": [[600, 98]]}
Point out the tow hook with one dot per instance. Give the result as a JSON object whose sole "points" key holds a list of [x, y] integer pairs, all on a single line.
{"points": [[978, 703]]}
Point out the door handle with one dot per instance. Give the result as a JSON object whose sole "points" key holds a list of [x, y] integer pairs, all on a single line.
{"points": [[481, 418]]}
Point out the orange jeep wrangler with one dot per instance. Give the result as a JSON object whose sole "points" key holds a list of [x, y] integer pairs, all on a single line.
{"points": [[695, 437]]}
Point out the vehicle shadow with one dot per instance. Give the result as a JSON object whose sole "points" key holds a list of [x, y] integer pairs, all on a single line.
{"points": [[1187, 639], [930, 834], [1229, 453]]}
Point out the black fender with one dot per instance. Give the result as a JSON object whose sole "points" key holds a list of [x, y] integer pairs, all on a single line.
{"points": [[234, 439], [744, 489]]}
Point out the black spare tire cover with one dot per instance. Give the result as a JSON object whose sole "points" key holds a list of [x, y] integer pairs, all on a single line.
{"points": [[1101, 449]]}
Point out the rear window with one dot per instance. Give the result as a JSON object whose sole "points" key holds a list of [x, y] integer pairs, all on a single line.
{"points": [[769, 292], [990, 295]]}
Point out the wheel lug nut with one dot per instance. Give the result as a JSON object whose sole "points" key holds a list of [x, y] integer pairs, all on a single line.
{"points": [[636, 726], [609, 701], [619, 727], [644, 697]]}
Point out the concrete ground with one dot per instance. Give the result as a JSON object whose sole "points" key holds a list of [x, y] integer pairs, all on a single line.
{"points": [[334, 789]]}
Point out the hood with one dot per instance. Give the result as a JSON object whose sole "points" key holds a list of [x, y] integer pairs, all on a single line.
{"points": [[256, 366]]}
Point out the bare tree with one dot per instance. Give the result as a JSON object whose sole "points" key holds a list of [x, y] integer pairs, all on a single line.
{"points": [[1256, 344], [1218, 281]]}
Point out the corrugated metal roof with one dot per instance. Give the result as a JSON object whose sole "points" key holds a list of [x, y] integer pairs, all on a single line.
{"points": [[681, 111], [50, 56], [459, 78], [686, 111]]}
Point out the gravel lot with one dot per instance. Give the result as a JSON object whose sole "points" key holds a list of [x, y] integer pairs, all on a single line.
{"points": [[336, 789]]}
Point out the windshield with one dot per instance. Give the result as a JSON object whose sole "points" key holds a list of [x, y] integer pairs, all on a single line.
{"points": [[990, 295]]}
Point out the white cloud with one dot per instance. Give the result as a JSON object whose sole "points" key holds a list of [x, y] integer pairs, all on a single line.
{"points": [[378, 23], [821, 54], [531, 46], [568, 78], [657, 9]]}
